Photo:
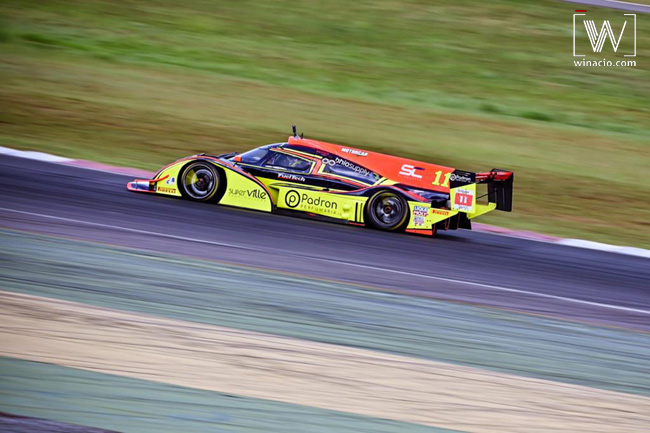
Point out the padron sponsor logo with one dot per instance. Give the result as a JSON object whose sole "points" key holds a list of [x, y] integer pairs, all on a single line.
{"points": [[318, 202], [250, 193], [460, 178], [354, 151], [293, 199]]}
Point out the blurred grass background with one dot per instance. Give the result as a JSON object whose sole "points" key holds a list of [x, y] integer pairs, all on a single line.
{"points": [[470, 84]]}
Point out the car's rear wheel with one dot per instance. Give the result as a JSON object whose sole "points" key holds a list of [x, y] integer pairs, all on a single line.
{"points": [[202, 181], [387, 211]]}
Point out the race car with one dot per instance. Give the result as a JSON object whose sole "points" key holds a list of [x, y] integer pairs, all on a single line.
{"points": [[337, 183]]}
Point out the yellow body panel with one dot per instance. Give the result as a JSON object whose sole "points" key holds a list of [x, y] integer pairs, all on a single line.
{"points": [[482, 209], [319, 202], [242, 191], [463, 198], [423, 216], [169, 185], [268, 182]]}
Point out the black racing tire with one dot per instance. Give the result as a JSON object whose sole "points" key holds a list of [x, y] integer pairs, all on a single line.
{"points": [[202, 181], [387, 210]]}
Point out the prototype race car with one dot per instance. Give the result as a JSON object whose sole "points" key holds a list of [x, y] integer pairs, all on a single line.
{"points": [[337, 183]]}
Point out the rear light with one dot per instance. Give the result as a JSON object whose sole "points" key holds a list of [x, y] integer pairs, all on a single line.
{"points": [[493, 175]]}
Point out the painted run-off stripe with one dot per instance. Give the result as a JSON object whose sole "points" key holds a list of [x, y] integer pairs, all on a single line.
{"points": [[341, 263], [313, 374], [125, 404]]}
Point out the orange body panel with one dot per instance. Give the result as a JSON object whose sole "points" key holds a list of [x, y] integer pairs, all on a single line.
{"points": [[406, 171]]}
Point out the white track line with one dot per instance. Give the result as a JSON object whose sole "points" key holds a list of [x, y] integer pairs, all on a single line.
{"points": [[28, 154], [579, 243], [374, 268]]}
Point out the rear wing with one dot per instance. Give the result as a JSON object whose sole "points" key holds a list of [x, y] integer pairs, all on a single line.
{"points": [[499, 183], [499, 189]]}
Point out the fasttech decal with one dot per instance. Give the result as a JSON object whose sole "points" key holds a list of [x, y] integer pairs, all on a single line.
{"points": [[293, 177]]}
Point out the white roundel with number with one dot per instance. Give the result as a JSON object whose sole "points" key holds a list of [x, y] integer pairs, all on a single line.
{"points": [[464, 200]]}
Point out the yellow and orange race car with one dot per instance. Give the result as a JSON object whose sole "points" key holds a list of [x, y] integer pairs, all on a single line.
{"points": [[337, 183]]}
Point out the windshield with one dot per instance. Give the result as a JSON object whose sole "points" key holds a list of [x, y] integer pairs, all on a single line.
{"points": [[288, 162], [255, 156]]}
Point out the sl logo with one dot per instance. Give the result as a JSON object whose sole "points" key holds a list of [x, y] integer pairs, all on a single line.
{"points": [[410, 171]]}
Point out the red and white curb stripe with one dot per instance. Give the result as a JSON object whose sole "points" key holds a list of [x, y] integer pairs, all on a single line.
{"points": [[521, 234]]}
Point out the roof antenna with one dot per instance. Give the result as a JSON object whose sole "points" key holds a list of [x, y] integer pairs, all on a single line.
{"points": [[295, 132]]}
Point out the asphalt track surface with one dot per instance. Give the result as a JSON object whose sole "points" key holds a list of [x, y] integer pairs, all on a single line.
{"points": [[463, 266], [613, 4]]}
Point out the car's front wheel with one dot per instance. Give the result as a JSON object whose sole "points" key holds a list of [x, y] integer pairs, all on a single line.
{"points": [[387, 211], [202, 181]]}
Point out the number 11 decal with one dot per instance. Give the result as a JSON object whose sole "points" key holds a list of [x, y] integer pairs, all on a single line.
{"points": [[436, 181]]}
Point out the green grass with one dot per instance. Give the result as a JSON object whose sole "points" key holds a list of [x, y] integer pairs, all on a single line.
{"points": [[471, 84]]}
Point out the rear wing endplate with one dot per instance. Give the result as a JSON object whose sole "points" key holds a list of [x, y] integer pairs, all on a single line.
{"points": [[499, 184]]}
